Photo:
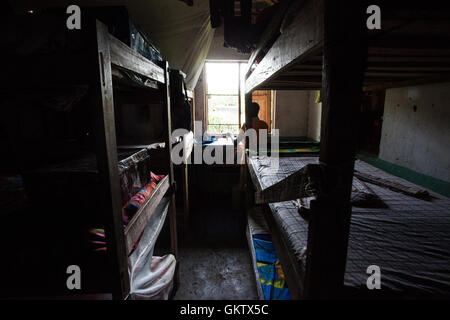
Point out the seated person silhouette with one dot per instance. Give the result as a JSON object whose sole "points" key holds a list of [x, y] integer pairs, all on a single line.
{"points": [[251, 122]]}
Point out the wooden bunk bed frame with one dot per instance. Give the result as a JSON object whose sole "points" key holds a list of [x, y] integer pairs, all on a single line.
{"points": [[112, 52], [411, 48], [97, 67], [328, 47]]}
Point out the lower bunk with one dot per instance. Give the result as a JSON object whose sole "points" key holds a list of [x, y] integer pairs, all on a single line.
{"points": [[270, 279], [396, 226]]}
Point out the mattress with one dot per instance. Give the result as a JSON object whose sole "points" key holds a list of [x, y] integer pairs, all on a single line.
{"points": [[409, 239]]}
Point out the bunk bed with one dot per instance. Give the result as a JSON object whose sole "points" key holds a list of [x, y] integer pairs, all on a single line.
{"points": [[88, 186], [384, 234], [325, 45], [411, 48]]}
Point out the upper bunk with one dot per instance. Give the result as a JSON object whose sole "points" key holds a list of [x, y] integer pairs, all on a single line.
{"points": [[412, 47], [43, 53]]}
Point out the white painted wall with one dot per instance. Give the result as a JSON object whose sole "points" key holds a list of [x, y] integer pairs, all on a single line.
{"points": [[291, 113], [218, 52], [418, 140], [297, 114], [199, 93]]}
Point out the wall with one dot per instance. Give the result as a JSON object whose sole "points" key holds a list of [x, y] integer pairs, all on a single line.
{"points": [[199, 93], [297, 114], [415, 131], [218, 52], [291, 113]]}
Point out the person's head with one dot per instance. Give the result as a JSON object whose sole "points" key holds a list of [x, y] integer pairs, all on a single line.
{"points": [[252, 110]]}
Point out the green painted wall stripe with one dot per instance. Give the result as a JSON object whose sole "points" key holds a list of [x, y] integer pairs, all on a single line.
{"points": [[431, 183]]}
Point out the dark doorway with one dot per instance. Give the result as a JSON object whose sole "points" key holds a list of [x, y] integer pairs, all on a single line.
{"points": [[370, 122]]}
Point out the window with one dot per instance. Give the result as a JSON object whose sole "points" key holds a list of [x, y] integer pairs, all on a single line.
{"points": [[224, 96]]}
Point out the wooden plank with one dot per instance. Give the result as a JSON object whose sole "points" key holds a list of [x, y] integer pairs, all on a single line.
{"points": [[301, 73], [408, 59], [409, 52], [121, 80], [405, 83], [185, 193], [168, 151], [135, 227], [298, 85], [124, 57], [188, 141], [269, 35], [432, 10], [291, 87], [428, 69], [292, 270], [396, 74], [106, 152], [254, 263], [297, 185], [302, 39], [344, 54], [304, 66]]}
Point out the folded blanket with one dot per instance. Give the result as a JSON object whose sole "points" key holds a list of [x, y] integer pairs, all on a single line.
{"points": [[396, 186]]}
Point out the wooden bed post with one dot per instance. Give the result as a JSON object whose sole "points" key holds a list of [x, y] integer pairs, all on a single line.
{"points": [[106, 151], [344, 56], [185, 168], [243, 168], [168, 142]]}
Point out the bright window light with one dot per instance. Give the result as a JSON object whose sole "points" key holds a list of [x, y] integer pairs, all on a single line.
{"points": [[223, 81]]}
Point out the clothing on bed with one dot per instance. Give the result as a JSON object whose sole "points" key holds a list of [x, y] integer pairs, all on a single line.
{"points": [[134, 174], [136, 202], [128, 211]]}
